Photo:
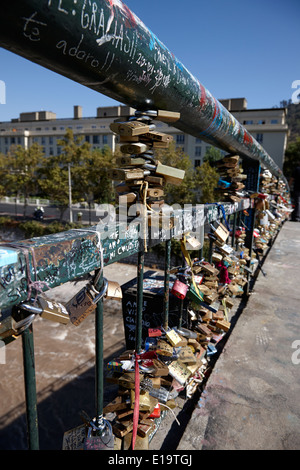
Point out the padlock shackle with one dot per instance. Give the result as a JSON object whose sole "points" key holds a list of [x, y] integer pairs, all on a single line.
{"points": [[102, 292]]}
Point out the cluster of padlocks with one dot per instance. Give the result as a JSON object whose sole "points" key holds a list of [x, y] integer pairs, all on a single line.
{"points": [[231, 179], [271, 210], [140, 176], [176, 360]]}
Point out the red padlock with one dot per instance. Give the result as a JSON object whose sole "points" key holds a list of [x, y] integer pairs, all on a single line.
{"points": [[179, 289]]}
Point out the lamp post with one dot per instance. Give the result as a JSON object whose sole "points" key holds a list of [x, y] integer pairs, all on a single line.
{"points": [[70, 193]]}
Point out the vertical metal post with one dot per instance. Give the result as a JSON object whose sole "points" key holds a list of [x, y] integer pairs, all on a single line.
{"points": [[252, 169], [99, 380], [233, 229], [180, 313], [210, 250], [139, 301], [70, 192], [167, 283], [30, 388], [239, 216]]}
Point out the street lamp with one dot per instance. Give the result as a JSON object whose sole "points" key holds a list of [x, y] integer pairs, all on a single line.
{"points": [[70, 193]]}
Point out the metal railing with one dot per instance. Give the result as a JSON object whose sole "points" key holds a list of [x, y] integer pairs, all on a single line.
{"points": [[56, 259]]}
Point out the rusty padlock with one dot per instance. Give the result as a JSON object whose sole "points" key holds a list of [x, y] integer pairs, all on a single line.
{"points": [[179, 289]]}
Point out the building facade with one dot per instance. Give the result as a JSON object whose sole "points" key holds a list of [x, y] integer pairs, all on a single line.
{"points": [[268, 127]]}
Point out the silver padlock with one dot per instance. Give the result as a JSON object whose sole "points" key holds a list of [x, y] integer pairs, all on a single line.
{"points": [[99, 437]]}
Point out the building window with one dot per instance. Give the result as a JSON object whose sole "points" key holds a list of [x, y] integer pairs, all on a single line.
{"points": [[261, 121], [197, 151], [259, 138], [87, 138], [51, 151], [105, 140], [197, 163], [248, 122], [274, 121], [180, 139], [96, 139], [43, 140], [198, 141], [51, 140]]}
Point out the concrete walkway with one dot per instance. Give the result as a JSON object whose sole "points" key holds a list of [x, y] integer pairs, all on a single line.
{"points": [[251, 400]]}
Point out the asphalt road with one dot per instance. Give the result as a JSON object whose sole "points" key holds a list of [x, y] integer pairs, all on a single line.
{"points": [[50, 213]]}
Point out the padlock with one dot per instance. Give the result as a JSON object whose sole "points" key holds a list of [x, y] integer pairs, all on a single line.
{"points": [[130, 128], [84, 302], [175, 339], [53, 311], [155, 137], [114, 291], [220, 232], [179, 289], [124, 174], [179, 371], [146, 401], [81, 306], [160, 115], [130, 161], [134, 148], [171, 175], [160, 393], [192, 243], [99, 438]]}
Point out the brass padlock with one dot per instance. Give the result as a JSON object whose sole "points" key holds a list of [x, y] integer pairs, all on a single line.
{"points": [[220, 232], [114, 291], [130, 128], [171, 175], [54, 311]]}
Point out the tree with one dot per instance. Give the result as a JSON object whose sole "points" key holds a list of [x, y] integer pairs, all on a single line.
{"points": [[95, 184], [212, 155], [89, 180], [292, 157], [21, 171], [53, 182], [54, 173], [206, 180], [3, 173]]}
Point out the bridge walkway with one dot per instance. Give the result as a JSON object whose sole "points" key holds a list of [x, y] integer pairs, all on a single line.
{"points": [[251, 400]]}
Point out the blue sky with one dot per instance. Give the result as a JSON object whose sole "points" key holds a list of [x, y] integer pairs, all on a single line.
{"points": [[236, 48]]}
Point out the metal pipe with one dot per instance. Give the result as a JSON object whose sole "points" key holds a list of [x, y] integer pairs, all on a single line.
{"points": [[139, 302], [30, 389], [233, 230], [105, 46], [99, 369], [167, 283]]}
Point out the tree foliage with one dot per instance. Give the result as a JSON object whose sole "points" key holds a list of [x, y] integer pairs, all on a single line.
{"points": [[206, 180], [19, 171], [292, 157]]}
